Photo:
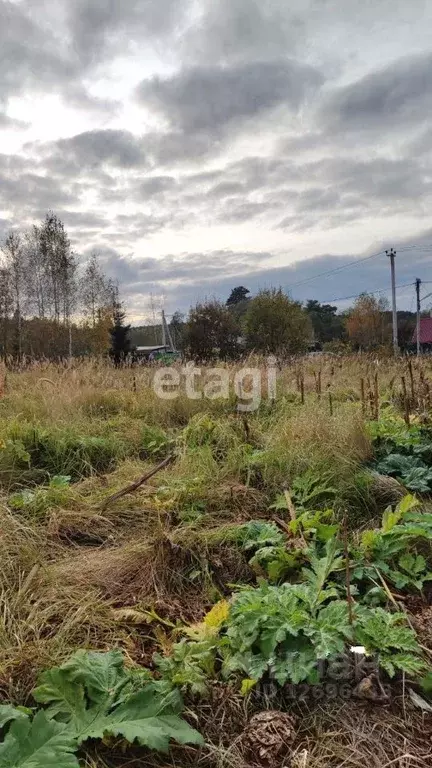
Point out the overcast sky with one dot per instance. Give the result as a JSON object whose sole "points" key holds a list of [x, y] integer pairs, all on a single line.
{"points": [[202, 144]]}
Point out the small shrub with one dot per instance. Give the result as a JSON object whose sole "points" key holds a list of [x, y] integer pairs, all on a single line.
{"points": [[57, 452], [154, 442]]}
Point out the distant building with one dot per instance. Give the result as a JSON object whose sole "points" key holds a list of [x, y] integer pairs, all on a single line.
{"points": [[425, 333], [149, 353], [156, 353]]}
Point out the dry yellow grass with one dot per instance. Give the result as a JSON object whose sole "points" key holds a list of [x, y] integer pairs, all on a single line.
{"points": [[66, 573]]}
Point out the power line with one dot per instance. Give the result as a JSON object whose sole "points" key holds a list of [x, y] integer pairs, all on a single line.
{"points": [[370, 293], [415, 248], [403, 249], [336, 269]]}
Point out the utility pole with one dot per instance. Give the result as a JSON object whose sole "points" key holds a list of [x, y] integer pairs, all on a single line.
{"points": [[418, 284], [167, 333], [391, 254], [163, 330]]}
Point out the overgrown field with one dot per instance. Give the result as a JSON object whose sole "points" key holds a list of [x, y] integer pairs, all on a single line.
{"points": [[264, 599]]}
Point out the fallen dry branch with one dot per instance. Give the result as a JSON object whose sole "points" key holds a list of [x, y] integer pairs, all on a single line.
{"points": [[138, 483]]}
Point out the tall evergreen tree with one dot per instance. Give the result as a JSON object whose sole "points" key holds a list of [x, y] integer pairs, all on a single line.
{"points": [[327, 324], [237, 295], [119, 332]]}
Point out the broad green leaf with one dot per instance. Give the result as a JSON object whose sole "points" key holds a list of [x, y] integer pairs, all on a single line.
{"points": [[295, 667], [147, 718], [8, 713], [60, 481], [65, 697], [412, 665], [387, 664], [255, 666], [95, 695], [400, 580], [321, 568], [259, 533], [387, 632], [405, 662], [327, 642], [43, 743], [326, 532], [102, 674]]}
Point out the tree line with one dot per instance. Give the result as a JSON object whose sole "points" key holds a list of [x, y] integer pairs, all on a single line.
{"points": [[273, 323], [43, 290], [53, 307]]}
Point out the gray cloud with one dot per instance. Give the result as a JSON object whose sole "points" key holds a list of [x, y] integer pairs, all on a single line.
{"points": [[233, 30], [323, 30], [21, 191], [10, 122], [29, 54], [156, 185], [84, 221], [174, 270], [290, 119], [206, 99], [100, 28], [37, 57], [190, 277], [93, 149], [396, 95]]}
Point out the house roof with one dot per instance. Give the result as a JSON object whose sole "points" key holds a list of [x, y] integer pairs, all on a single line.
{"points": [[153, 348], [425, 331]]}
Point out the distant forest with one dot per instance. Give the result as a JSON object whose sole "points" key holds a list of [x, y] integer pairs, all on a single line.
{"points": [[272, 321], [53, 306]]}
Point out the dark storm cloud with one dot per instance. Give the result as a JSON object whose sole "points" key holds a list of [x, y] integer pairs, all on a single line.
{"points": [[396, 95], [205, 99]]}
